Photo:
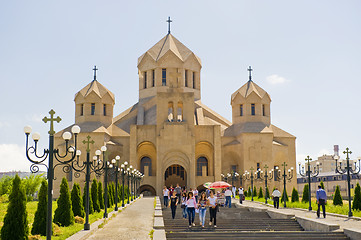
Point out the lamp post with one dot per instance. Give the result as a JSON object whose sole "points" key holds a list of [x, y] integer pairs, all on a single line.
{"points": [[350, 171], [96, 166], [124, 167], [115, 163], [249, 176], [50, 153], [128, 175], [309, 174], [265, 176], [106, 168], [286, 176]]}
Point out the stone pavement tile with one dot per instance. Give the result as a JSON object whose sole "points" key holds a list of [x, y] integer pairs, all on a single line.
{"points": [[133, 223]]}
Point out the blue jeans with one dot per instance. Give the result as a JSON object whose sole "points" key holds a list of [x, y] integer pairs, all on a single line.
{"points": [[165, 201], [191, 212], [184, 212], [202, 215], [228, 201]]}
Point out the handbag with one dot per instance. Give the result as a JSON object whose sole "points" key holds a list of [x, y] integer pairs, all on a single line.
{"points": [[183, 206], [197, 210], [243, 198]]}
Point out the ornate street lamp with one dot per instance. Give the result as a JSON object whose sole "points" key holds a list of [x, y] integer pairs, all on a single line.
{"points": [[233, 176], [96, 166], [287, 176], [249, 176], [128, 176], [309, 174], [350, 171], [50, 153], [265, 176], [116, 170], [123, 167]]}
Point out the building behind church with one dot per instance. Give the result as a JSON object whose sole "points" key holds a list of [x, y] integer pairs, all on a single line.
{"points": [[171, 136]]}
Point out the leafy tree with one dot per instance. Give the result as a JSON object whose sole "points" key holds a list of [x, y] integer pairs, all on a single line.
{"points": [[356, 204], [64, 215], [305, 194], [337, 199], [295, 197], [267, 195], [100, 195], [91, 208], [39, 224], [76, 201], [32, 184], [94, 195], [260, 193], [322, 185], [16, 219], [6, 183], [283, 195]]}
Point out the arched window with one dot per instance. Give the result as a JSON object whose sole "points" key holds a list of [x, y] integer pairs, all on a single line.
{"points": [[170, 112], [202, 161], [146, 161], [180, 112]]}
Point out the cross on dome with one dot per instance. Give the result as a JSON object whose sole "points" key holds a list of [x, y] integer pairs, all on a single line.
{"points": [[95, 69], [169, 21], [250, 72]]}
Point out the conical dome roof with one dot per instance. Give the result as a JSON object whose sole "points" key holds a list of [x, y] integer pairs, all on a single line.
{"points": [[97, 88], [248, 88], [169, 43]]}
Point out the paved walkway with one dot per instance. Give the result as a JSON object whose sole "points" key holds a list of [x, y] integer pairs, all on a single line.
{"points": [[343, 222], [133, 223]]}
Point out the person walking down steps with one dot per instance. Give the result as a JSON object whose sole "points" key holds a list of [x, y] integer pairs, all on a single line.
{"points": [[173, 203], [240, 193], [191, 208], [202, 204], [184, 206], [276, 198], [165, 196], [212, 203]]}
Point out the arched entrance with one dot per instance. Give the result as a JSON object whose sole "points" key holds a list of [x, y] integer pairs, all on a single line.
{"points": [[147, 190], [175, 174]]}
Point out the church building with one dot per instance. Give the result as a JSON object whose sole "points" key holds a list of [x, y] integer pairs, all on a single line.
{"points": [[171, 136]]}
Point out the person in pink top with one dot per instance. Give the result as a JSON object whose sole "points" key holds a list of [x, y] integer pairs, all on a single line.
{"points": [[191, 208]]}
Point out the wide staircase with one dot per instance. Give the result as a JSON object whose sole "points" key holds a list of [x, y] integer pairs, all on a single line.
{"points": [[239, 223]]}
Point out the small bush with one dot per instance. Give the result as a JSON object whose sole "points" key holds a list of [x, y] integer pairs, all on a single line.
{"points": [[295, 197], [78, 219], [56, 230], [260, 193], [283, 196], [94, 195], [245, 193], [267, 195], [305, 194], [76, 201], [64, 215], [34, 237], [249, 192], [356, 204], [337, 199], [100, 195], [91, 209], [39, 224], [254, 191]]}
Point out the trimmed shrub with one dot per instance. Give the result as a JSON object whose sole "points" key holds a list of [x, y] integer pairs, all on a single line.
{"points": [[337, 199], [260, 193], [110, 196], [305, 194], [64, 215], [77, 201], [254, 191], [16, 218], [322, 185], [245, 193], [283, 196], [295, 197], [94, 195], [100, 195], [39, 224], [91, 209], [113, 191], [267, 195], [249, 192], [356, 204]]}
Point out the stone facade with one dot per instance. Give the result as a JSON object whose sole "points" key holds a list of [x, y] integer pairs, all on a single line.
{"points": [[171, 136]]}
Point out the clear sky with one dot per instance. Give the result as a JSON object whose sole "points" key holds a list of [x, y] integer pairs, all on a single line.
{"points": [[305, 54]]}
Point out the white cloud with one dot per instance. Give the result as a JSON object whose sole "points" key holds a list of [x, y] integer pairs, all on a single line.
{"points": [[323, 152], [35, 117], [12, 157], [275, 79], [4, 124]]}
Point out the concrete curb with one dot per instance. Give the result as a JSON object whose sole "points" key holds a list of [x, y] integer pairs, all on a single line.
{"points": [[314, 225], [158, 224], [83, 235], [352, 233]]}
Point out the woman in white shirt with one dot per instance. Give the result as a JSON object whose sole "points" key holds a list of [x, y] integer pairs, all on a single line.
{"points": [[240, 193], [212, 203], [165, 196], [191, 208]]}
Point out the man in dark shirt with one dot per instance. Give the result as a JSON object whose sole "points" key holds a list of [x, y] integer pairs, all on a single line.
{"points": [[321, 201], [178, 191]]}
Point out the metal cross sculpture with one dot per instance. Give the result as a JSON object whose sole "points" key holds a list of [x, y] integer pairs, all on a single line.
{"points": [[250, 72], [169, 21], [95, 69]]}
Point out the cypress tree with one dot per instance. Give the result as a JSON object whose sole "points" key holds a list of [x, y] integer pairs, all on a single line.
{"points": [[260, 193], [39, 224], [305, 194], [254, 191], [267, 195], [110, 196], [76, 201], [356, 204], [283, 195], [113, 191], [249, 192], [337, 199], [64, 215], [100, 195], [245, 193], [91, 209], [16, 219], [295, 197], [94, 195], [322, 185]]}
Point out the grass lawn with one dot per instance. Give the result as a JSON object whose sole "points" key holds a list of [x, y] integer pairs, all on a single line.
{"points": [[329, 207], [62, 232]]}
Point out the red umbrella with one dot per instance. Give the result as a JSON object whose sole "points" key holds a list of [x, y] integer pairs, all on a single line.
{"points": [[220, 184]]}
